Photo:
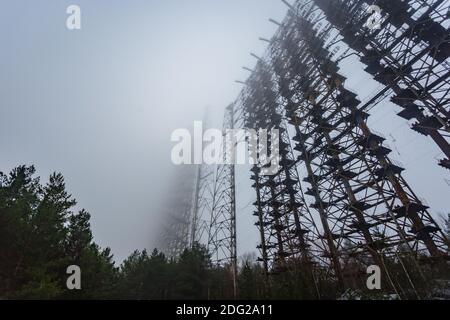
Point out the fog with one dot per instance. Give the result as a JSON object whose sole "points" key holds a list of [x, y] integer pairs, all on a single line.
{"points": [[99, 104]]}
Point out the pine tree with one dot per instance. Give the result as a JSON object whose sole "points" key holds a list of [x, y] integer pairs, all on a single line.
{"points": [[19, 197], [99, 273], [40, 237], [191, 278]]}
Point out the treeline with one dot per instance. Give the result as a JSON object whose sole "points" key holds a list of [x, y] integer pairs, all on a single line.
{"points": [[40, 236]]}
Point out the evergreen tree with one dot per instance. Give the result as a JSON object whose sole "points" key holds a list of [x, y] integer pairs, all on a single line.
{"points": [[191, 278], [40, 237], [248, 282], [132, 276], [19, 197]]}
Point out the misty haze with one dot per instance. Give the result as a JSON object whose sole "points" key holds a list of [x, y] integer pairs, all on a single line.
{"points": [[92, 95]]}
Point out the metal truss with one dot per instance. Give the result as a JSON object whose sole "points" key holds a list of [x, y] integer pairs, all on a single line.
{"points": [[214, 212], [357, 204], [337, 196], [408, 54], [175, 237], [201, 208], [283, 220], [214, 216]]}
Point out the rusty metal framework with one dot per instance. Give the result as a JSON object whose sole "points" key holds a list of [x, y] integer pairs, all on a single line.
{"points": [[356, 203], [283, 219], [337, 196], [407, 54], [202, 208], [214, 214], [175, 236]]}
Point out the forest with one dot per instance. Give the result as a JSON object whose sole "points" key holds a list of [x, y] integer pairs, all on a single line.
{"points": [[41, 235]]}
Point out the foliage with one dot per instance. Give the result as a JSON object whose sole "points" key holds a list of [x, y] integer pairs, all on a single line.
{"points": [[41, 235]]}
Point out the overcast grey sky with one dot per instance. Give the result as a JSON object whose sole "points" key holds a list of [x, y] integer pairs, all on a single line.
{"points": [[99, 104]]}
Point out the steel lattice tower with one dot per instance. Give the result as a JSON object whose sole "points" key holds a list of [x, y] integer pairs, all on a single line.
{"points": [[408, 54], [175, 236], [203, 210], [214, 215], [338, 202], [283, 220], [357, 204]]}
